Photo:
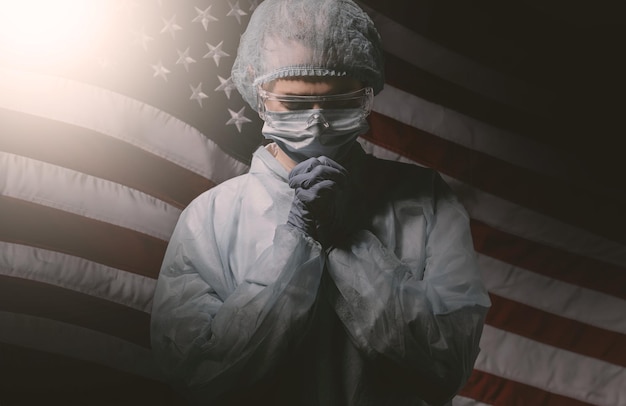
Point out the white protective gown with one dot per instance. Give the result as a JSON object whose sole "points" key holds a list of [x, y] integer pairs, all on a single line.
{"points": [[249, 310]]}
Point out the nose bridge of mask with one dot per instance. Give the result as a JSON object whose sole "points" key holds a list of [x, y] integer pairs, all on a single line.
{"points": [[317, 119]]}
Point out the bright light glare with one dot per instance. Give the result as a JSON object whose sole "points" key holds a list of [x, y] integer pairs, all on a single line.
{"points": [[45, 30]]}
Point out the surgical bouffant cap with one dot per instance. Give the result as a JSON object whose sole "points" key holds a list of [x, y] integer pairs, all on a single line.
{"points": [[316, 38]]}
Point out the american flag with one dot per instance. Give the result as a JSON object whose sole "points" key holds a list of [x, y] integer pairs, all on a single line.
{"points": [[102, 148]]}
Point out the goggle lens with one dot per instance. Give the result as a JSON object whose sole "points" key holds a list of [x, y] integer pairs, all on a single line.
{"points": [[362, 99]]}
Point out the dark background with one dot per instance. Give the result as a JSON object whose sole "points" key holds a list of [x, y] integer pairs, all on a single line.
{"points": [[572, 50]]}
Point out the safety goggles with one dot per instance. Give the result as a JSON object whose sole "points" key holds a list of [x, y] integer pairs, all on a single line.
{"points": [[362, 98]]}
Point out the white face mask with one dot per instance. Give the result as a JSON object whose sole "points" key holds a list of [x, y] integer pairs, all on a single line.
{"points": [[303, 134]]}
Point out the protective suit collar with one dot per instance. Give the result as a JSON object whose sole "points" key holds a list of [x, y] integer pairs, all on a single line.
{"points": [[266, 159]]}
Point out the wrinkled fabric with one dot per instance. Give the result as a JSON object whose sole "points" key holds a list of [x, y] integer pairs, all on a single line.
{"points": [[314, 38], [249, 309]]}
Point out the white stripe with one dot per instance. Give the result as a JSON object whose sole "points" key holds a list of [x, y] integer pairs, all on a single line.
{"points": [[118, 116], [553, 296], [551, 369], [76, 342], [77, 274], [476, 135], [75, 192], [522, 222], [439, 61], [463, 401]]}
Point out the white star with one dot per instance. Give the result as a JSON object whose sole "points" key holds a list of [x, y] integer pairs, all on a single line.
{"points": [[236, 11], [226, 86], [198, 94], [237, 118], [160, 70], [185, 59], [215, 52], [171, 26], [204, 17], [141, 38]]}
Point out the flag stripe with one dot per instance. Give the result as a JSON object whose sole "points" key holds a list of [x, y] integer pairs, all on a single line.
{"points": [[549, 261], [86, 196], [527, 224], [557, 331], [77, 274], [92, 153], [496, 176], [118, 116], [551, 369], [496, 390], [75, 308], [30, 377], [43, 227], [70, 340], [552, 296]]}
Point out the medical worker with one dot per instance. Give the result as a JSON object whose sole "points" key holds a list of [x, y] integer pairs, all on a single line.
{"points": [[324, 276]]}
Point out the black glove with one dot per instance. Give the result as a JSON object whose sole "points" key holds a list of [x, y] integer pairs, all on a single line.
{"points": [[320, 200]]}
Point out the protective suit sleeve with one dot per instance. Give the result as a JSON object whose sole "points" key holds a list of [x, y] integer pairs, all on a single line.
{"points": [[423, 320], [211, 334]]}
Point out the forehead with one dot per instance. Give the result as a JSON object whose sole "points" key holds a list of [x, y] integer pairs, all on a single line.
{"points": [[313, 86]]}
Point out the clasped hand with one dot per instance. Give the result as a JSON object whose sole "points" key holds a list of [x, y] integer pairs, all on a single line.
{"points": [[321, 198]]}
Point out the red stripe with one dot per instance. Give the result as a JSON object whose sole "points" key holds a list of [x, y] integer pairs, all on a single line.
{"points": [[557, 331], [39, 226], [99, 155], [557, 199], [551, 262], [34, 378], [499, 391], [52, 302]]}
